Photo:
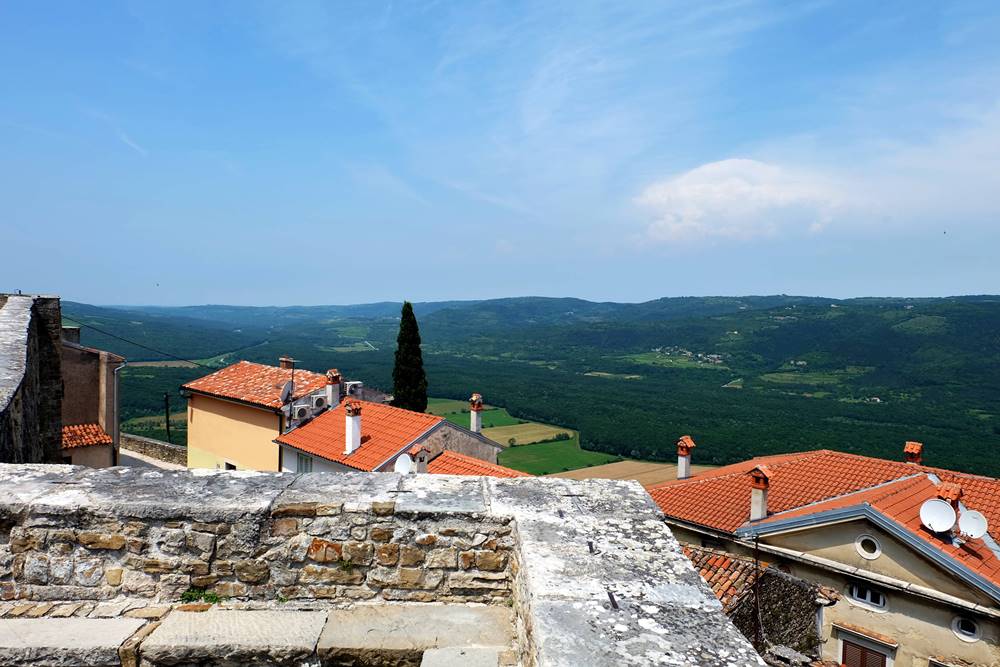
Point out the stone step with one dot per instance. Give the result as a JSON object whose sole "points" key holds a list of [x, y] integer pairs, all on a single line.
{"points": [[461, 657], [58, 642]]}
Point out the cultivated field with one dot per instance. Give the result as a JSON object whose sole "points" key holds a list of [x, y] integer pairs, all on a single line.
{"points": [[644, 472], [549, 457], [525, 434]]}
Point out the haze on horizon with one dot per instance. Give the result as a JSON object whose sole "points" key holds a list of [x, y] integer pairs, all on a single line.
{"points": [[256, 153]]}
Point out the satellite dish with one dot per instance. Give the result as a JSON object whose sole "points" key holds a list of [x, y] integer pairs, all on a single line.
{"points": [[286, 391], [972, 524], [404, 465], [937, 515]]}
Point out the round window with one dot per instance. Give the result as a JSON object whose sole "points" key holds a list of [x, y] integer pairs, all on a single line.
{"points": [[965, 628], [868, 547]]}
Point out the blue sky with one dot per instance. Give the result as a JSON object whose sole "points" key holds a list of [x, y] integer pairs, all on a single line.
{"points": [[304, 153]]}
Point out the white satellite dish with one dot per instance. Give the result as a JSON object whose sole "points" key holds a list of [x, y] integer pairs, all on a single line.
{"points": [[972, 524], [404, 465], [937, 515], [286, 391]]}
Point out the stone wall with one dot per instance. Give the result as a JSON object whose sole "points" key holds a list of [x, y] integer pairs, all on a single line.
{"points": [[787, 613], [30, 379], [455, 439], [157, 449], [589, 567]]}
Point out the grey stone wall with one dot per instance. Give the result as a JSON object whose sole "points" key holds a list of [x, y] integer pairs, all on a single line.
{"points": [[30, 379], [787, 613], [450, 437], [589, 567], [157, 449]]}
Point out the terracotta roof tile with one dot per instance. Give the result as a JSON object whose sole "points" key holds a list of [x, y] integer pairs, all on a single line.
{"points": [[385, 431], [256, 384], [84, 435], [453, 463], [730, 577]]}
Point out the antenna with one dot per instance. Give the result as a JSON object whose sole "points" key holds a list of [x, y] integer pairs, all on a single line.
{"points": [[286, 391], [973, 524], [937, 515]]}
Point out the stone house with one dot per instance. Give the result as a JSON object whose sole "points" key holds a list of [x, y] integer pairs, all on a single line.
{"points": [[30, 380], [90, 424], [911, 596], [257, 417]]}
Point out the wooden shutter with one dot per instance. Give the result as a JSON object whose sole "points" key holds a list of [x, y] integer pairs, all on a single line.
{"points": [[859, 656]]}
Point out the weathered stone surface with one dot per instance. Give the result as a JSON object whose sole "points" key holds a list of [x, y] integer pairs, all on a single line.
{"points": [[347, 574], [387, 554], [101, 540], [441, 494], [356, 490], [64, 641], [252, 571], [324, 551], [461, 657], [416, 627], [243, 637]]}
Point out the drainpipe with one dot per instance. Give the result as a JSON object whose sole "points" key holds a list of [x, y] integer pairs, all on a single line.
{"points": [[115, 442]]}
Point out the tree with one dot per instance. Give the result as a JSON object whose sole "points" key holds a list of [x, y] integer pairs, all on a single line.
{"points": [[409, 382]]}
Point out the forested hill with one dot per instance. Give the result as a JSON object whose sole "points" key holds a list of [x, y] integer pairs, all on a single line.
{"points": [[743, 375]]}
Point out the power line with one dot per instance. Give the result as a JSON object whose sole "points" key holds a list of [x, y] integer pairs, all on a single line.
{"points": [[132, 342]]}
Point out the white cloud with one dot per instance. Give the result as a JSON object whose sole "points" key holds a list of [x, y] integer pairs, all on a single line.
{"points": [[738, 199]]}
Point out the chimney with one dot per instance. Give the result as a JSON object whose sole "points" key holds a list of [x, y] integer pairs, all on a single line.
{"points": [[333, 387], [913, 452], [352, 427], [420, 459], [950, 492], [476, 413], [684, 447], [759, 483], [286, 363], [71, 334]]}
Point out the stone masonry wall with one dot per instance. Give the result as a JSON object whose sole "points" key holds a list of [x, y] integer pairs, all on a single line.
{"points": [[30, 379], [787, 613], [591, 571], [157, 449]]}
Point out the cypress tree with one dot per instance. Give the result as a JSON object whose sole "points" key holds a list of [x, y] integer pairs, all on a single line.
{"points": [[409, 382]]}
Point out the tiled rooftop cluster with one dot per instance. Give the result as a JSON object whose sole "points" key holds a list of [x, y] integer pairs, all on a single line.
{"points": [[591, 571], [256, 384], [84, 435]]}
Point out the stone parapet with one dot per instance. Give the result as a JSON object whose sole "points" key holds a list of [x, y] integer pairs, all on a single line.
{"points": [[592, 573]]}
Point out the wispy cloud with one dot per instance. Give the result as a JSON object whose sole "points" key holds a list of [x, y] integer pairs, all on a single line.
{"points": [[112, 124], [127, 140]]}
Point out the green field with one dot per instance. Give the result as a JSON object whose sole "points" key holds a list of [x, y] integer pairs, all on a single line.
{"points": [[549, 457], [833, 377], [670, 361]]}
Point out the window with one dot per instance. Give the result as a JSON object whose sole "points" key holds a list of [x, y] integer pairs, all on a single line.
{"points": [[868, 547], [230, 466], [856, 655], [965, 628], [304, 463], [867, 596]]}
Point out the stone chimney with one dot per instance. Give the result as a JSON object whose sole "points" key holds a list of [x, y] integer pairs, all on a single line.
{"points": [[913, 452], [759, 483], [420, 458], [286, 363], [71, 334], [476, 413], [684, 447], [333, 381], [352, 427]]}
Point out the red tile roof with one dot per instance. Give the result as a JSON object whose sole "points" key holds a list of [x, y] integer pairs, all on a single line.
{"points": [[84, 435], [729, 577], [256, 384], [385, 431], [813, 482], [453, 463]]}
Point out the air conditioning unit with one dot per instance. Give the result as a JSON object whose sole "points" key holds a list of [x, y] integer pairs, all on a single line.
{"points": [[319, 402], [354, 387], [301, 411]]}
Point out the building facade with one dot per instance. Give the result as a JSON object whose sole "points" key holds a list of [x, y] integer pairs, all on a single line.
{"points": [[90, 405], [912, 597]]}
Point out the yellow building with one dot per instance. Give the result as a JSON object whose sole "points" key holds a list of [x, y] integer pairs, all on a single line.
{"points": [[911, 549], [235, 414]]}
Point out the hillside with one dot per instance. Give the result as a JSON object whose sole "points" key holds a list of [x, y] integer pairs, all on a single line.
{"points": [[743, 375]]}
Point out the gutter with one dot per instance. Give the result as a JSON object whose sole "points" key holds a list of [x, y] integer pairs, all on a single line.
{"points": [[116, 436]]}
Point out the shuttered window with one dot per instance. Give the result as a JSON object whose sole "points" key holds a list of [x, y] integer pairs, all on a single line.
{"points": [[859, 656]]}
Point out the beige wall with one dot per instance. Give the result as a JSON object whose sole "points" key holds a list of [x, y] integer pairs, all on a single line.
{"points": [[221, 431], [95, 456], [88, 387], [836, 543]]}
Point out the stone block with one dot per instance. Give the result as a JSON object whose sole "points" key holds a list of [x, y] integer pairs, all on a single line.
{"points": [[410, 556], [387, 554], [381, 533], [347, 574], [113, 576], [285, 526], [447, 558], [324, 551], [65, 641], [96, 541], [491, 561], [252, 571], [461, 657], [230, 589], [243, 637], [88, 572], [358, 553]]}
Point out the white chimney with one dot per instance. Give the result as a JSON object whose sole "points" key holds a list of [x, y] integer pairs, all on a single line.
{"points": [[476, 413], [352, 426], [684, 447], [333, 387], [759, 483]]}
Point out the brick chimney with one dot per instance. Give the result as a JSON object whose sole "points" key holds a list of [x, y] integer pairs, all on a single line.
{"points": [[333, 381], [913, 452], [950, 492], [286, 363], [476, 413], [352, 426], [684, 447], [759, 483]]}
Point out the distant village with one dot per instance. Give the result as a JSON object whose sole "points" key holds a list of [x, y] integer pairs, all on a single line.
{"points": [[819, 558]]}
